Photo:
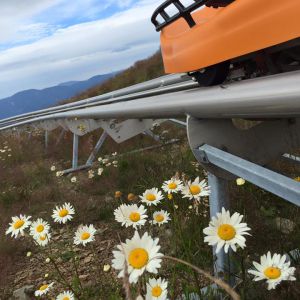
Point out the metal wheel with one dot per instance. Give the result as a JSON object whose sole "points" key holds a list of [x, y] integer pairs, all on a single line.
{"points": [[212, 75]]}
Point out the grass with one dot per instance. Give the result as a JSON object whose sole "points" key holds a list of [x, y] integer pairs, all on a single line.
{"points": [[30, 187]]}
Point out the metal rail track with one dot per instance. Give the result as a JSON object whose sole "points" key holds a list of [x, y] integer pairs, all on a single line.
{"points": [[275, 96], [156, 86]]}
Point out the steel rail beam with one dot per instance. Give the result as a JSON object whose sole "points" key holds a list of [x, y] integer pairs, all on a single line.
{"points": [[275, 96], [157, 91], [271, 181], [158, 83]]}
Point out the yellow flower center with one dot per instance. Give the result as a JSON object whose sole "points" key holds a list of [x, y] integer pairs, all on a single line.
{"points": [[66, 298], [138, 258], [150, 197], [63, 212], [85, 236], [156, 291], [43, 237], [131, 197], [118, 194], [226, 232], [159, 218], [297, 178], [134, 216], [195, 189], [19, 224], [172, 185], [40, 228], [43, 287], [272, 272], [170, 196]]}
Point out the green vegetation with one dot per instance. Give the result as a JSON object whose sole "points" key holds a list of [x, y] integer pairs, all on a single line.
{"points": [[29, 187], [141, 71]]}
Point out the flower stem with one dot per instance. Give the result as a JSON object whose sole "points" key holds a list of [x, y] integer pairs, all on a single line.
{"points": [[217, 281]]}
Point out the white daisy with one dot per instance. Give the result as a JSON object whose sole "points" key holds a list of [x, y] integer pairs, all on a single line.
{"points": [[226, 231], [42, 239], [106, 268], [59, 173], [44, 289], [240, 181], [157, 289], [161, 217], [18, 225], [39, 227], [65, 296], [152, 196], [100, 171], [84, 234], [140, 254], [62, 214], [273, 269], [91, 174], [196, 189], [172, 186], [53, 168], [73, 179], [131, 215], [105, 160]]}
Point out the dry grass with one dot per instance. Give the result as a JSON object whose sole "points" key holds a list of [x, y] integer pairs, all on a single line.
{"points": [[32, 189]]}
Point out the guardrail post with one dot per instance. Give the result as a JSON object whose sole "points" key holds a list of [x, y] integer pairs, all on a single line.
{"points": [[96, 149], [218, 198], [75, 151]]}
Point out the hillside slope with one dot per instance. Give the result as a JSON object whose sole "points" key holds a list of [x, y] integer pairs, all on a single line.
{"points": [[141, 71]]}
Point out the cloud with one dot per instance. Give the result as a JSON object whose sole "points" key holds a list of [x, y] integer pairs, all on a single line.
{"points": [[22, 18], [15, 14], [80, 51]]}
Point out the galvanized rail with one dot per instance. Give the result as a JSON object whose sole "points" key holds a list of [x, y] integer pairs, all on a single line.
{"points": [[163, 84], [275, 96]]}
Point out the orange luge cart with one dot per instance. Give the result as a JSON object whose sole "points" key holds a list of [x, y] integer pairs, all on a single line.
{"points": [[216, 39]]}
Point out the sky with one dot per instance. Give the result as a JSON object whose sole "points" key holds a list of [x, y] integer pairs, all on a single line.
{"points": [[47, 42]]}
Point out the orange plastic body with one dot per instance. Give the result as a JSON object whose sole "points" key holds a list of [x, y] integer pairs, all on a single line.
{"points": [[220, 34]]}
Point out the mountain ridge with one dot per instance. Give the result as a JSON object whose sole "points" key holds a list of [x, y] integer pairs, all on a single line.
{"points": [[35, 99]]}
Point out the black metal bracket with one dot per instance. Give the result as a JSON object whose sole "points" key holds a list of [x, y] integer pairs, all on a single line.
{"points": [[183, 11]]}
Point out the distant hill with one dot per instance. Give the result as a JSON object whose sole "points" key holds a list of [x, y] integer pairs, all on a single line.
{"points": [[143, 70], [33, 99]]}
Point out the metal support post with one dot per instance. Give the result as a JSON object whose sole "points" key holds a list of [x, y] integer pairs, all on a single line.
{"points": [[151, 134], [46, 139], [75, 151], [291, 158], [178, 122], [218, 199], [60, 137], [96, 149]]}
